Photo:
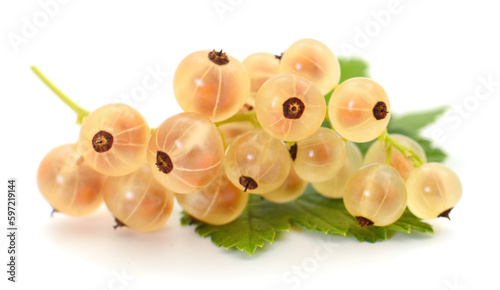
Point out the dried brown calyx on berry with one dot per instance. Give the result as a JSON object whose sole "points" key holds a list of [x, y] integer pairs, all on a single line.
{"points": [[163, 162], [364, 222], [102, 141], [218, 57], [293, 108], [248, 183], [380, 111]]}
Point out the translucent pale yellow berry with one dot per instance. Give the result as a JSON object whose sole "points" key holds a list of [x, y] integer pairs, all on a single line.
{"points": [[260, 67], [290, 107], [257, 162], [290, 190], [219, 203], [234, 129], [211, 83], [377, 153], [334, 187], [185, 152], [320, 156], [375, 195], [113, 139], [313, 60], [68, 183], [138, 201], [433, 191], [359, 109]]}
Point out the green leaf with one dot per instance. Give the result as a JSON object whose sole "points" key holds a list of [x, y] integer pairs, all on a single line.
{"points": [[328, 96], [408, 222], [262, 219], [416, 121], [410, 125], [258, 224], [363, 147], [434, 154], [352, 67], [326, 124]]}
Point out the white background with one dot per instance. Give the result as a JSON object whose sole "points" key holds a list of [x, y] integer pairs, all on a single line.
{"points": [[425, 54]]}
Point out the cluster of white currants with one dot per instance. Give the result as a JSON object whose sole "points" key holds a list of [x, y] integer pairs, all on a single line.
{"points": [[251, 127]]}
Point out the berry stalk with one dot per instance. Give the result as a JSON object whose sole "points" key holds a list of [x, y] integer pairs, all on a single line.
{"points": [[250, 117], [80, 112], [389, 154], [390, 141]]}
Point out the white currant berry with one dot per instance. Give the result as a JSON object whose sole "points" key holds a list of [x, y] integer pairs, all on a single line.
{"points": [[359, 109], [375, 195], [433, 191]]}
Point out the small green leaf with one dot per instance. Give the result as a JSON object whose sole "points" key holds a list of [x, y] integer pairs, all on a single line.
{"points": [[416, 121], [328, 96], [186, 219], [409, 222], [326, 124], [363, 147], [352, 67], [410, 125], [433, 154], [262, 219], [258, 224]]}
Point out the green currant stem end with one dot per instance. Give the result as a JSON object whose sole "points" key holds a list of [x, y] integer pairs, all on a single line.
{"points": [[390, 141], [249, 117], [389, 155], [223, 139], [80, 112]]}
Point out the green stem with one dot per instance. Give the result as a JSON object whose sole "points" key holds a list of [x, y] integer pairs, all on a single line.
{"points": [[248, 117], [389, 155], [223, 139], [80, 112], [390, 142]]}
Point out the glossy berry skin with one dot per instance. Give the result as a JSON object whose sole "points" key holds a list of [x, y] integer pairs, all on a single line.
{"points": [[234, 129], [375, 194], [377, 154], [68, 183], [203, 86], [185, 152], [113, 139], [334, 187], [359, 109], [313, 60], [320, 156], [260, 67], [219, 203], [433, 190], [138, 201], [290, 190], [290, 107], [256, 162]]}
